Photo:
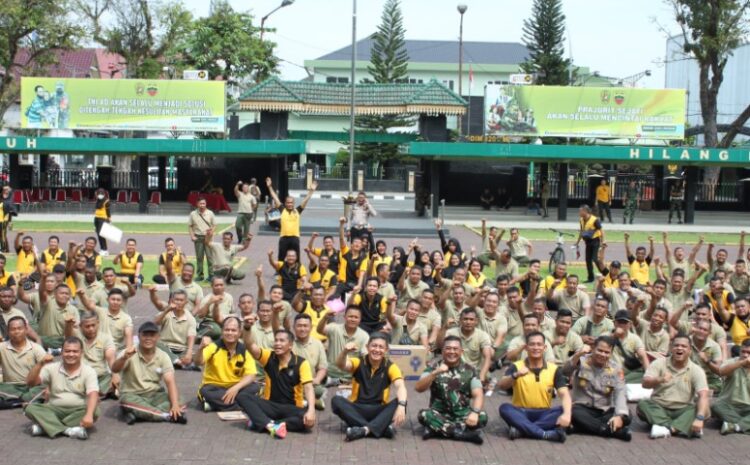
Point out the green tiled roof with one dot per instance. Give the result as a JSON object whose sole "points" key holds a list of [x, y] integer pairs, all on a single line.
{"points": [[306, 96]]}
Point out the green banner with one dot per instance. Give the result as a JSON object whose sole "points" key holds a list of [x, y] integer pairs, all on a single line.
{"points": [[592, 112], [122, 104]]}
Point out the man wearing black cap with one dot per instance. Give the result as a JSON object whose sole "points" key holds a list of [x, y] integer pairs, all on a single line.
{"points": [[143, 367], [629, 352]]}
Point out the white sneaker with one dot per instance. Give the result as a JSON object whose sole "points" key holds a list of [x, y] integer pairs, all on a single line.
{"points": [[77, 432], [35, 430], [658, 432]]}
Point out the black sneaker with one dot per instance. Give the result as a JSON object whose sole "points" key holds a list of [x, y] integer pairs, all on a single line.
{"points": [[355, 432], [180, 420], [558, 436], [624, 434], [513, 433], [429, 434], [129, 418], [389, 432], [469, 436]]}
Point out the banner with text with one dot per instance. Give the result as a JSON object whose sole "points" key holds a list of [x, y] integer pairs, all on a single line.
{"points": [[122, 104], [610, 112]]}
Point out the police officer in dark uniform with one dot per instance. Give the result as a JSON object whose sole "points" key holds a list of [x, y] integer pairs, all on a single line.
{"points": [[599, 403]]}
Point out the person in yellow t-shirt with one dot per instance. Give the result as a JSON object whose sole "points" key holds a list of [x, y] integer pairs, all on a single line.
{"points": [[290, 219], [131, 262], [604, 200], [27, 262], [102, 215], [229, 368], [640, 263]]}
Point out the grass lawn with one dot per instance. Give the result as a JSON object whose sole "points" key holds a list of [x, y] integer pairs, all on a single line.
{"points": [[636, 237], [88, 227], [150, 266]]}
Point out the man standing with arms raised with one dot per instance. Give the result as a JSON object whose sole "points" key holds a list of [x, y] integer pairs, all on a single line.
{"points": [[290, 219]]}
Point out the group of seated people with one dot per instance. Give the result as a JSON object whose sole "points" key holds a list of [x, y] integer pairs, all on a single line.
{"points": [[277, 354]]}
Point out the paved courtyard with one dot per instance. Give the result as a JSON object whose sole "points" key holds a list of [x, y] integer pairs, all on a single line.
{"points": [[206, 439]]}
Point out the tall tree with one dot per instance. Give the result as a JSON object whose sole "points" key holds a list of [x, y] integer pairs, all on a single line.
{"points": [[388, 64], [228, 45], [143, 32], [544, 37], [711, 30], [42, 27]]}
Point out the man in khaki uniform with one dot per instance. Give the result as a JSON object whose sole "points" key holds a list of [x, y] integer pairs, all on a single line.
{"points": [[312, 350], [476, 343], [143, 368], [564, 342], [591, 327], [18, 355], [247, 203], [493, 323], [8, 311], [676, 381], [406, 329], [73, 394], [222, 255], [53, 315], [184, 282], [706, 353], [200, 221], [213, 309], [178, 330], [113, 319], [572, 298], [339, 335], [98, 349], [732, 406]]}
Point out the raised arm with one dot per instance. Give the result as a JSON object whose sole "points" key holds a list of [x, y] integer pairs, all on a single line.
{"points": [[274, 264], [628, 252], [309, 195], [709, 255], [667, 247], [155, 300], [342, 236], [696, 249], [272, 193], [650, 247], [741, 251], [247, 335], [17, 241], [674, 318], [259, 282], [342, 359], [700, 270]]}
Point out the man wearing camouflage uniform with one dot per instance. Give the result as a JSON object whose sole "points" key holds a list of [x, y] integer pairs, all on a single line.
{"points": [[456, 397], [630, 202]]}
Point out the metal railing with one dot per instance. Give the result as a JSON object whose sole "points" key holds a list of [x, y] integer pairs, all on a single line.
{"points": [[68, 177]]}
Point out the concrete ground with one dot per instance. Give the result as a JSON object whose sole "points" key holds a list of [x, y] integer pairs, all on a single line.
{"points": [[205, 439]]}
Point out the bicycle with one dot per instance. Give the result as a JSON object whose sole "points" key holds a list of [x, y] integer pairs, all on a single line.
{"points": [[558, 255]]}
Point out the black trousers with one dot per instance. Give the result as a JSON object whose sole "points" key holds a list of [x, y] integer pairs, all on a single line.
{"points": [[603, 208], [286, 243], [98, 222], [592, 250], [588, 420], [355, 232], [213, 394], [158, 279], [262, 412], [376, 417], [341, 290]]}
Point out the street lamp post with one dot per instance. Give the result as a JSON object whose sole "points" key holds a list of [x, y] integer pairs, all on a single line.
{"points": [[352, 108], [263, 19], [461, 10]]}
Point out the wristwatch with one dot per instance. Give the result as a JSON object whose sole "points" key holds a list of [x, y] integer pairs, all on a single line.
{"points": [[402, 403], [475, 410], [700, 417]]}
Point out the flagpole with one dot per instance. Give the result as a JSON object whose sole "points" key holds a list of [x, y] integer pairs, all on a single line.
{"points": [[471, 88]]}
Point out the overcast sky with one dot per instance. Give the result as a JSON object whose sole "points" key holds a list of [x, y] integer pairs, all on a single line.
{"points": [[618, 38]]}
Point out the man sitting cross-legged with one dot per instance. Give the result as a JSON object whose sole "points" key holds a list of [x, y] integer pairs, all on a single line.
{"points": [[18, 355], [369, 411], [229, 368], [288, 386], [456, 397], [143, 368]]}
